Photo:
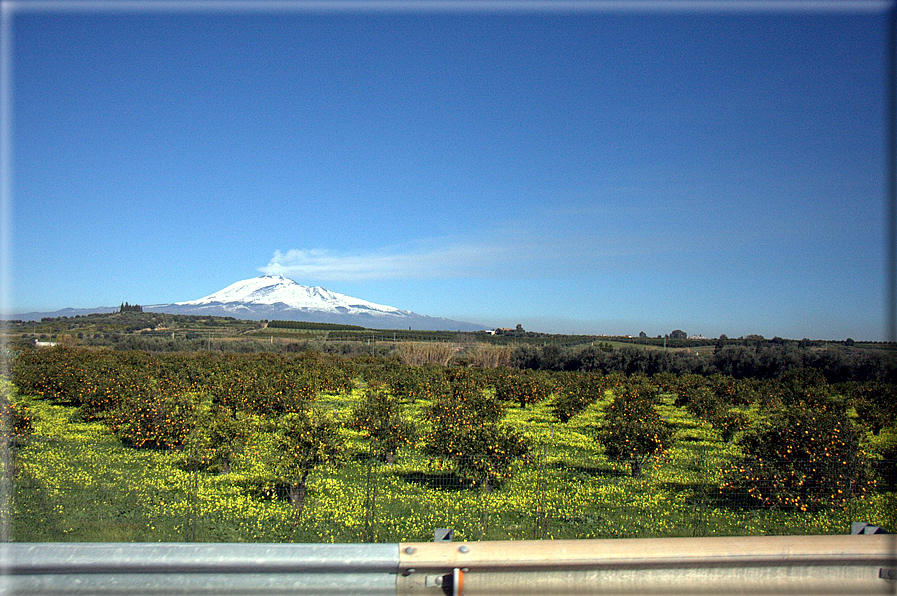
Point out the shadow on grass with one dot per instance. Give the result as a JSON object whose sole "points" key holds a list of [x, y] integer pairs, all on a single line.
{"points": [[706, 496], [366, 458], [700, 494], [34, 518], [88, 515], [439, 480], [600, 470], [690, 439]]}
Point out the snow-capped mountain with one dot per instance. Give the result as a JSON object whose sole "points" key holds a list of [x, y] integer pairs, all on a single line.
{"points": [[277, 297], [270, 290]]}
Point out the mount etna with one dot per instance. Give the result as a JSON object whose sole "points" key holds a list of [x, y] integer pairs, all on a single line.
{"points": [[275, 297]]}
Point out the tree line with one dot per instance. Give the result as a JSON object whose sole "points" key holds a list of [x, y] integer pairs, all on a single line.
{"points": [[761, 361]]}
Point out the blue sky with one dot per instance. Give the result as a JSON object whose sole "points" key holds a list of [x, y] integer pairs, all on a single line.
{"points": [[607, 169]]}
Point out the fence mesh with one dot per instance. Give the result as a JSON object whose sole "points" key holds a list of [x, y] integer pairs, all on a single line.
{"points": [[61, 495]]}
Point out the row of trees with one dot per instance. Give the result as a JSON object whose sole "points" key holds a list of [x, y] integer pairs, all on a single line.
{"points": [[767, 360], [210, 407]]}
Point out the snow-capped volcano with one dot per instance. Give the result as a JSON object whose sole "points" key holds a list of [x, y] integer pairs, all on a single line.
{"points": [[270, 290], [277, 297]]}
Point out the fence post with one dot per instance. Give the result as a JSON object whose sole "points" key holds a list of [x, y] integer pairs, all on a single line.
{"points": [[370, 498], [701, 518], [6, 463], [484, 509]]}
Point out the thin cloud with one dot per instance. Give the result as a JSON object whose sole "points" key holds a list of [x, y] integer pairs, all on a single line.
{"points": [[509, 257], [457, 260]]}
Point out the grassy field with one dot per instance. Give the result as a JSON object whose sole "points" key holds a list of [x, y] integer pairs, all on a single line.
{"points": [[76, 482]]}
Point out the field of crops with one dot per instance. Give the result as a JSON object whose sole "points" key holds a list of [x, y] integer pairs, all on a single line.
{"points": [[131, 447]]}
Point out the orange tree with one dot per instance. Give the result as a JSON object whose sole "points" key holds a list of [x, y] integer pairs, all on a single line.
{"points": [[712, 399], [102, 387], [706, 403], [875, 404], [806, 453], [16, 422], [151, 412], [632, 430], [302, 441], [576, 393], [380, 416], [266, 384], [466, 429], [524, 387], [56, 373], [413, 382], [218, 436]]}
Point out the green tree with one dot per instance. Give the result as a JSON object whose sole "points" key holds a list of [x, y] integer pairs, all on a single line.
{"points": [[576, 393], [303, 441], [152, 412], [380, 416], [802, 456], [875, 404], [465, 428], [16, 424], [524, 387], [632, 430], [218, 437]]}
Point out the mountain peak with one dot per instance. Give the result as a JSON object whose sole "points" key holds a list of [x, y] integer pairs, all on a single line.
{"points": [[268, 290], [275, 296]]}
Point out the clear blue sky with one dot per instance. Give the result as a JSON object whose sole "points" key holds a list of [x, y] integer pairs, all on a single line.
{"points": [[593, 171]]}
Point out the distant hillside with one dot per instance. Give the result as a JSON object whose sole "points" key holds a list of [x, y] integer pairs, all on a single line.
{"points": [[275, 297]]}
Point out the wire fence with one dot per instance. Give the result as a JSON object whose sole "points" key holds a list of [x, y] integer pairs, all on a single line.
{"points": [[71, 496]]}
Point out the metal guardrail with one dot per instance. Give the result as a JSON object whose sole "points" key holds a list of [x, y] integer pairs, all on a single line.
{"points": [[220, 569], [817, 565]]}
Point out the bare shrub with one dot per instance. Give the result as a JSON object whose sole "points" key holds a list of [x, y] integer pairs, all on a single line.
{"points": [[67, 341]]}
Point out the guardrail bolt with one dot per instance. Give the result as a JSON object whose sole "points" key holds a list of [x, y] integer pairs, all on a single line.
{"points": [[410, 550], [463, 549], [408, 572]]}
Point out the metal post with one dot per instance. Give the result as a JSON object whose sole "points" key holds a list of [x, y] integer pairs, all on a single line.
{"points": [[891, 172]]}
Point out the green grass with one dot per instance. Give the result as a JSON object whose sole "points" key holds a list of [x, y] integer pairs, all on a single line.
{"points": [[76, 482]]}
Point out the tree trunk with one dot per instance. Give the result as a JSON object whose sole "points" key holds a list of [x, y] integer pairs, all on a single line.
{"points": [[297, 495], [636, 468], [390, 459]]}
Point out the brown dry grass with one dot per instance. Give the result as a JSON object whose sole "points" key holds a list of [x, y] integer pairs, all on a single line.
{"points": [[489, 356], [429, 352]]}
